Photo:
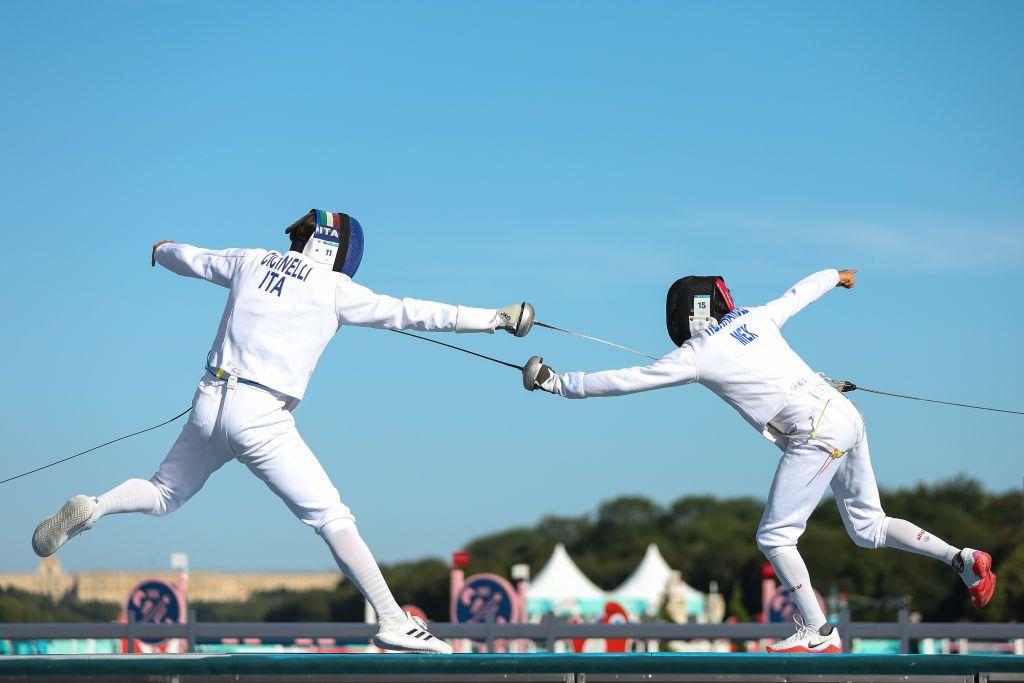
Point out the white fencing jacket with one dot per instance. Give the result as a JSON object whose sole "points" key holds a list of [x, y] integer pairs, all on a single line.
{"points": [[744, 359], [283, 309]]}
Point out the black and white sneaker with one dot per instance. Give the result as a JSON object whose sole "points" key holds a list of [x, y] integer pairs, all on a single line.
{"points": [[74, 517], [410, 635]]}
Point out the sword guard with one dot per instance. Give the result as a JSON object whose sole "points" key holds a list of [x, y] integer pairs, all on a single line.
{"points": [[526, 319]]}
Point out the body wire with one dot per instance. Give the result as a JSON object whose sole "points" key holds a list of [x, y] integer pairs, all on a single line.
{"points": [[945, 403], [845, 385], [90, 450], [842, 385], [184, 412]]}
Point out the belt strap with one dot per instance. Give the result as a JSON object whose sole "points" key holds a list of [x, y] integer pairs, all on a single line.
{"points": [[221, 373]]}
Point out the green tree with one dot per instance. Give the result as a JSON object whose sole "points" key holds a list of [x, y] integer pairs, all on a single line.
{"points": [[706, 538], [736, 608]]}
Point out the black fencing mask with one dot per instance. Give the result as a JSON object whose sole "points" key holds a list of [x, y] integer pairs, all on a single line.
{"points": [[694, 303]]}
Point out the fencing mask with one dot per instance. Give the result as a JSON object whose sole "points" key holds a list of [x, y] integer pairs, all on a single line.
{"points": [[331, 239], [694, 303]]}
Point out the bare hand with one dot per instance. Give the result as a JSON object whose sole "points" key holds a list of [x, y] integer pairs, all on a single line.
{"points": [[157, 246], [847, 278]]}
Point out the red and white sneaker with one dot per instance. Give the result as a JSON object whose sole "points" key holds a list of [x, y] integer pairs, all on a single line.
{"points": [[809, 641], [977, 574]]}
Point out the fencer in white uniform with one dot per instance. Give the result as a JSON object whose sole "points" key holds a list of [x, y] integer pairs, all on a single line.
{"points": [[740, 354], [282, 310]]}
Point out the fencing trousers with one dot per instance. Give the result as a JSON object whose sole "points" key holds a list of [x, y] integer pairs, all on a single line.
{"points": [[825, 443], [255, 426]]}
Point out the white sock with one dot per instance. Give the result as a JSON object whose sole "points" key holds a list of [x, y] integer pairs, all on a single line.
{"points": [[793, 575], [357, 563], [135, 495], [903, 535]]}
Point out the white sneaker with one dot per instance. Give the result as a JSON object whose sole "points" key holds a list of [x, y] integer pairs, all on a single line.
{"points": [[808, 640], [975, 568], [74, 517], [410, 635]]}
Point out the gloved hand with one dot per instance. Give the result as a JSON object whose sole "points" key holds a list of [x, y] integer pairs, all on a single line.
{"points": [[516, 319], [157, 246], [536, 375]]}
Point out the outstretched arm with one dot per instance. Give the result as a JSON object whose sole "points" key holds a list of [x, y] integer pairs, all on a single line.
{"points": [[216, 266], [806, 292], [676, 368], [360, 306]]}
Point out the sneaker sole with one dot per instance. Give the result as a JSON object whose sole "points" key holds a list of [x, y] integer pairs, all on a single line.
{"points": [[801, 650], [55, 530], [412, 645], [982, 593]]}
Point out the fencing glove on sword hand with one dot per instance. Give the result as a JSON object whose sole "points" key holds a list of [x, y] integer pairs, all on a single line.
{"points": [[516, 319], [536, 375]]}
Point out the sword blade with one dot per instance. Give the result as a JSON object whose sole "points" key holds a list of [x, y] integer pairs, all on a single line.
{"points": [[595, 339]]}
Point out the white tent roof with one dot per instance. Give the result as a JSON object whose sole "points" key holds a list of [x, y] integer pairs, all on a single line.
{"points": [[649, 580], [561, 579]]}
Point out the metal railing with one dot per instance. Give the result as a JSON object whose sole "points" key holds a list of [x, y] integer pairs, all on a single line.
{"points": [[545, 633]]}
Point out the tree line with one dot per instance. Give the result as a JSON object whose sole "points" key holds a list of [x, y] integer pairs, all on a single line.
{"points": [[706, 538]]}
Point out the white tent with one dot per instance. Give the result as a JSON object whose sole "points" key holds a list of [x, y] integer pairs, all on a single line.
{"points": [[648, 582], [645, 590], [561, 587]]}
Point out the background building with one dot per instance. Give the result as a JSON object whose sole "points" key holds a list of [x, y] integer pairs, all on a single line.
{"points": [[203, 586]]}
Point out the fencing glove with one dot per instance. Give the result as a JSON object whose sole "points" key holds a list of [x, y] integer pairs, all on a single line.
{"points": [[536, 375], [516, 319]]}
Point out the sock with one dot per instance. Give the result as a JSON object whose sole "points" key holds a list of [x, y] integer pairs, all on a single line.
{"points": [[903, 535], [357, 563], [135, 495], [793, 575], [966, 571], [958, 563]]}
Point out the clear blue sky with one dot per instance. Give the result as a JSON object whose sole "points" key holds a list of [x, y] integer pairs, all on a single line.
{"points": [[579, 155]]}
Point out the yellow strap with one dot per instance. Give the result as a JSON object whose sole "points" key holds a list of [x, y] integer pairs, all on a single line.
{"points": [[814, 429], [814, 432]]}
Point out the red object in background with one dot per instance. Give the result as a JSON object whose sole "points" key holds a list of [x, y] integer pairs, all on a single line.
{"points": [[577, 643], [767, 590], [614, 613], [460, 558]]}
